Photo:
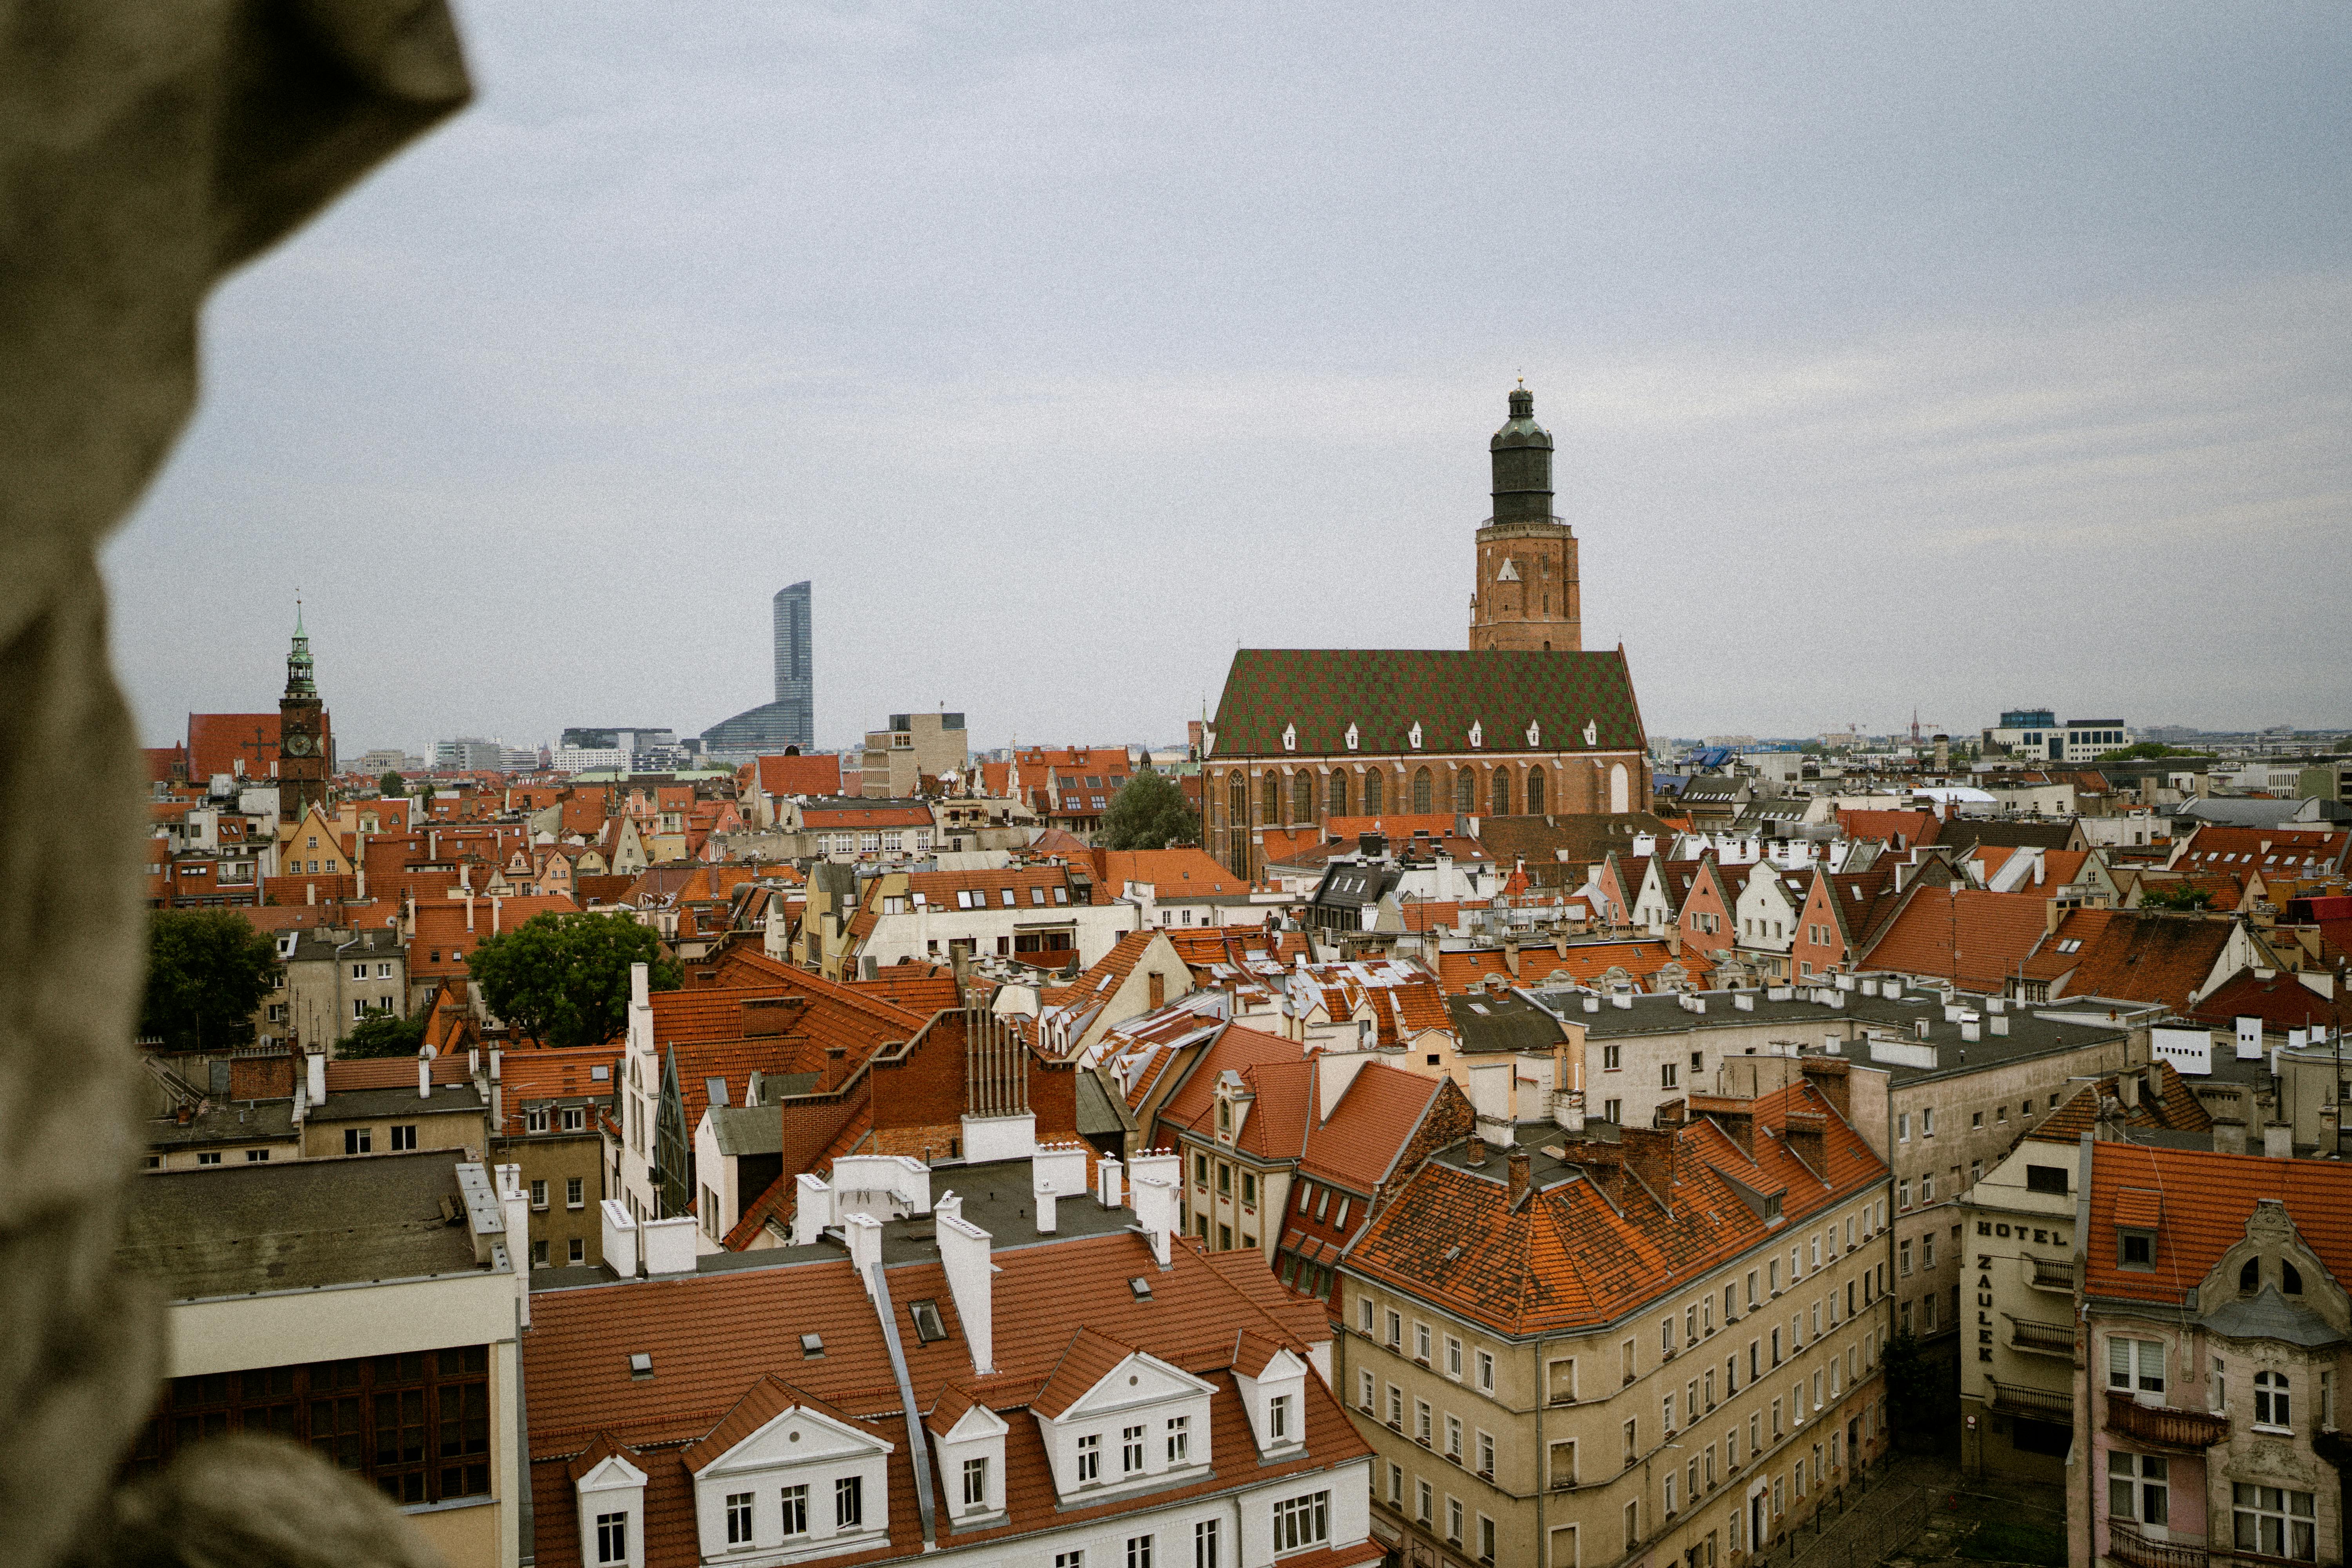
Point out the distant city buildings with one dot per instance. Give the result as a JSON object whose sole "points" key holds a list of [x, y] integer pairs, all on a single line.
{"points": [[789, 721], [2036, 732]]}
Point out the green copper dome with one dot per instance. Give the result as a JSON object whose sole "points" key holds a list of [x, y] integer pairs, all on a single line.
{"points": [[1522, 463]]}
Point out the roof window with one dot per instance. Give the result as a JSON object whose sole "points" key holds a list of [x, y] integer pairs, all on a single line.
{"points": [[641, 1366], [1141, 1286], [929, 1327], [812, 1347]]}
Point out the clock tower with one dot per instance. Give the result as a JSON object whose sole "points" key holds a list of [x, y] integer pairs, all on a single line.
{"points": [[305, 750]]}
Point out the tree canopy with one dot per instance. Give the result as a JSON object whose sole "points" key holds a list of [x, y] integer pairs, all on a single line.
{"points": [[207, 970], [1149, 812], [2149, 749], [563, 980], [380, 1034], [392, 787], [2174, 896]]}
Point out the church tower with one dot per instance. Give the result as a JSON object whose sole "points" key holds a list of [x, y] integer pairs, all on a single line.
{"points": [[1526, 598], [304, 747]]}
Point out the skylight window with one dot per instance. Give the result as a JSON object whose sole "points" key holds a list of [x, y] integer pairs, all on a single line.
{"points": [[929, 1327], [1141, 1286], [812, 1346], [641, 1365]]}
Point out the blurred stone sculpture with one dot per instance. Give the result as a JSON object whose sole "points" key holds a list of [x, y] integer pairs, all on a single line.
{"points": [[146, 147]]}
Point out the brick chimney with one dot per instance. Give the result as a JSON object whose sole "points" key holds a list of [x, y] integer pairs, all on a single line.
{"points": [[1649, 1155], [1519, 1166], [1736, 1117], [1831, 1078], [1804, 1129]]}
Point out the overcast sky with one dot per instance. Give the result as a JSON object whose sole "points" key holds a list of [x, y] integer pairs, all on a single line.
{"points": [[1953, 357]]}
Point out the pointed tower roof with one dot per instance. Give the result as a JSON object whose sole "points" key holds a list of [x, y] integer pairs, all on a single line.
{"points": [[298, 682]]}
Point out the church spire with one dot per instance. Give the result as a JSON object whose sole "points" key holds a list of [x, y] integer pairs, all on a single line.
{"points": [[298, 660]]}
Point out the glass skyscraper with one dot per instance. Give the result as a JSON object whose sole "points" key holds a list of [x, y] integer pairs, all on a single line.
{"points": [[790, 719]]}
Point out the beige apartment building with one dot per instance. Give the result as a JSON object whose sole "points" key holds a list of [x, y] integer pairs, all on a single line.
{"points": [[1660, 1348], [1940, 1083], [916, 746], [337, 1303], [2021, 1244]]}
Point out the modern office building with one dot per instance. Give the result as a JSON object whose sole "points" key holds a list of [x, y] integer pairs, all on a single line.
{"points": [[790, 719]]}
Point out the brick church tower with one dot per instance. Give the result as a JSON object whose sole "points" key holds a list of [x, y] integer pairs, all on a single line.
{"points": [[304, 747], [1526, 599]]}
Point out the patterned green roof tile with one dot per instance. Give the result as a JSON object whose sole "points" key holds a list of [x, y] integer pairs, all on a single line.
{"points": [[1384, 693]]}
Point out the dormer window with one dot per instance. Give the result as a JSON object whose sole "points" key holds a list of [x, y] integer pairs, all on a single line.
{"points": [[2135, 1248], [1277, 1418], [1225, 1116]]}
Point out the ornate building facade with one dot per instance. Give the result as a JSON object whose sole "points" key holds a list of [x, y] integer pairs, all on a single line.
{"points": [[1523, 723], [304, 744]]}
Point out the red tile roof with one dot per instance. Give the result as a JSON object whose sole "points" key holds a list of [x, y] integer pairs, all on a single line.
{"points": [[820, 774], [713, 1345], [1567, 1260], [2138, 957], [1964, 934], [1901, 828], [2282, 1002], [1174, 874], [2198, 1203]]}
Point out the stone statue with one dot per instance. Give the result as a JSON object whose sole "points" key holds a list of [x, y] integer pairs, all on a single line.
{"points": [[146, 147]]}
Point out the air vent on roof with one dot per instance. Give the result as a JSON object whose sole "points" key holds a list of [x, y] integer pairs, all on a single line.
{"points": [[1141, 1286], [641, 1365], [812, 1346]]}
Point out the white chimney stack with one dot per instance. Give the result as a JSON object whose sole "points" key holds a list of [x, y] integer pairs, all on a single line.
{"points": [[865, 1233], [1155, 1214], [423, 1076], [620, 1238], [315, 1076], [516, 1204], [1107, 1191], [814, 1213], [963, 1253], [668, 1245]]}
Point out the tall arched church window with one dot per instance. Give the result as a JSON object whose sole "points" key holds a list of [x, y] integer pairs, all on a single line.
{"points": [[1372, 804], [1420, 790], [1465, 791], [1335, 797], [1499, 800], [1302, 796], [1273, 799], [1237, 798], [1620, 790], [1534, 792]]}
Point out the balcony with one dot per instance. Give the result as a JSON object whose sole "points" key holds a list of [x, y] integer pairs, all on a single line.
{"points": [[2056, 1405], [2164, 1429], [2042, 1339], [2054, 1274], [2129, 1546]]}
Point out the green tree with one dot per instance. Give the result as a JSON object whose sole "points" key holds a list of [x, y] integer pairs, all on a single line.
{"points": [[1149, 812], [563, 980], [2174, 896], [2149, 750], [392, 787], [381, 1035], [207, 970]]}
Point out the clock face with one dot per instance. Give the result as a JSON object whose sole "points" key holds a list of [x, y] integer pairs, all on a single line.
{"points": [[299, 746]]}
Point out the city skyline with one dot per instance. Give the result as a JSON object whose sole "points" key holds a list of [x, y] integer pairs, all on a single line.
{"points": [[1846, 327]]}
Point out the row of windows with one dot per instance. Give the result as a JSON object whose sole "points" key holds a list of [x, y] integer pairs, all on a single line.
{"points": [[1696, 1322], [848, 1509], [1423, 786], [1176, 1432], [418, 1425], [1299, 1524]]}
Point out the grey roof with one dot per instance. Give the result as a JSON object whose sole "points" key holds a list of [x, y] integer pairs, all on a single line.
{"points": [[2269, 1316], [1098, 1114], [2030, 1035], [996, 1198], [378, 1104], [748, 1128], [241, 1229], [317, 945], [1352, 884], [1489, 1021], [251, 1122]]}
